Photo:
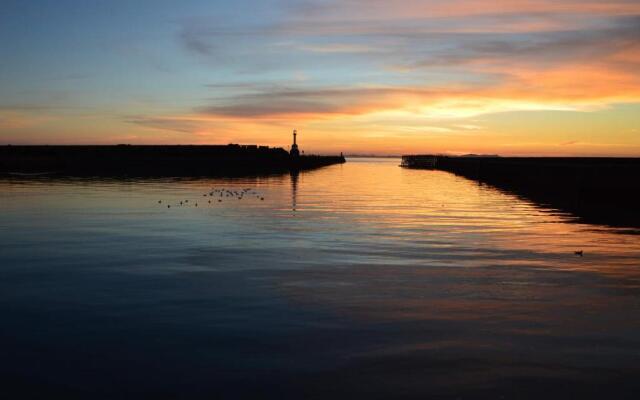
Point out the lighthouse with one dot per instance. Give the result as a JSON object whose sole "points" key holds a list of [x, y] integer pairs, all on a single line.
{"points": [[294, 147]]}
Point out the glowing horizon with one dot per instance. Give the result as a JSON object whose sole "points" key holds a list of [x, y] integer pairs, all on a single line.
{"points": [[354, 76]]}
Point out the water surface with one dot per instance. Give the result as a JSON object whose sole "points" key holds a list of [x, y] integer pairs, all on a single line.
{"points": [[362, 280]]}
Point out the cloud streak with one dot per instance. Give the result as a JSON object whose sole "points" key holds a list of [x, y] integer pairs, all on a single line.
{"points": [[488, 56]]}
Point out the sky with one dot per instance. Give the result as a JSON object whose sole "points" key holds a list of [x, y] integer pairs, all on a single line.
{"points": [[518, 77]]}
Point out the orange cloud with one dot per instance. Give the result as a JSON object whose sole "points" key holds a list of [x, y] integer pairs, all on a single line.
{"points": [[411, 9]]}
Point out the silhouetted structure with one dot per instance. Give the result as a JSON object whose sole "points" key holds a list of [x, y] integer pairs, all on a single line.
{"points": [[596, 190], [135, 160], [294, 147]]}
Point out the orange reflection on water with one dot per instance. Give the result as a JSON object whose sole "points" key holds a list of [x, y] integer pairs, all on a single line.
{"points": [[444, 253], [403, 276]]}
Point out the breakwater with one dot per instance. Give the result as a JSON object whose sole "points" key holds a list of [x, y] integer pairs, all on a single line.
{"points": [[135, 160], [595, 190]]}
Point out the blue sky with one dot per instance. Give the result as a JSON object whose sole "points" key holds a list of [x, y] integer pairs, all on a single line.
{"points": [[352, 75]]}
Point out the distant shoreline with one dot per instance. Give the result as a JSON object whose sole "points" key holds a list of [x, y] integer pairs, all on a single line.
{"points": [[370, 156]]}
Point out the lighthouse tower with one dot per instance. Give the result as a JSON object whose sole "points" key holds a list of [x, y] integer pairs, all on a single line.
{"points": [[294, 147]]}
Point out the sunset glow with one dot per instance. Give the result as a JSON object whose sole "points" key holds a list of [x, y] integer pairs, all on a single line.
{"points": [[355, 76]]}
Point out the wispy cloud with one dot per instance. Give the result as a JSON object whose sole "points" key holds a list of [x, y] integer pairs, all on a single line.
{"points": [[489, 57]]}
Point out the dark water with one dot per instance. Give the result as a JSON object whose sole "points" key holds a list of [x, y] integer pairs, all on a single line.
{"points": [[361, 280]]}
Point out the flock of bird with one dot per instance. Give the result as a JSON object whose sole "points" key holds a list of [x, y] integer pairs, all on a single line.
{"points": [[218, 195]]}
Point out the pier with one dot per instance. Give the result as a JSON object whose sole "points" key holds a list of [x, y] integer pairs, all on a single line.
{"points": [[595, 190], [140, 160]]}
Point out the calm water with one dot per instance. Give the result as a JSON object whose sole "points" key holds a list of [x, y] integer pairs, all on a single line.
{"points": [[362, 280]]}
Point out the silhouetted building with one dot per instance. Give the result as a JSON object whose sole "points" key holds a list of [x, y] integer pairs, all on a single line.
{"points": [[294, 147]]}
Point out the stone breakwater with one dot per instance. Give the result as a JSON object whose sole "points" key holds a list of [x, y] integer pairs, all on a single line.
{"points": [[134, 160], [595, 190]]}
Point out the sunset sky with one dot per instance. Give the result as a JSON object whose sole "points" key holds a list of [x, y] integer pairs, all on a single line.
{"points": [[520, 77]]}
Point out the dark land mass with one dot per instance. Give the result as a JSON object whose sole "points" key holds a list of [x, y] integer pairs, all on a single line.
{"points": [[136, 160], [595, 190]]}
